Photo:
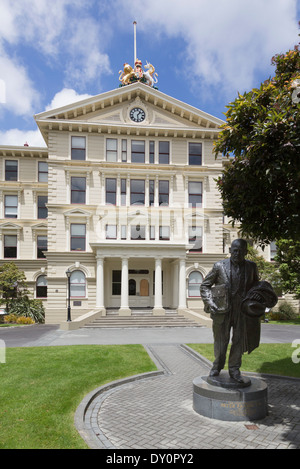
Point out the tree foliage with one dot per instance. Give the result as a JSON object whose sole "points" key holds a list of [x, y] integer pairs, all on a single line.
{"points": [[260, 186], [12, 284], [288, 257]]}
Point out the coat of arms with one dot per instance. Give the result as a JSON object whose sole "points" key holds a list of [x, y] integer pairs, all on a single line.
{"points": [[131, 75]]}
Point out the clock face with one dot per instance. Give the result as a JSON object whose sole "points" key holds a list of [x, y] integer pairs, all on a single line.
{"points": [[137, 114]]}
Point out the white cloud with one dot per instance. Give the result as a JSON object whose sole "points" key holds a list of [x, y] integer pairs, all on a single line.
{"points": [[66, 96], [16, 137], [226, 42], [20, 94]]}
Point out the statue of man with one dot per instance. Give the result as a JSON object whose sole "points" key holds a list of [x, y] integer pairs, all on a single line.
{"points": [[223, 291]]}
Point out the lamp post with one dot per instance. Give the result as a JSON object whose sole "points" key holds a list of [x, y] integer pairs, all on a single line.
{"points": [[68, 274]]}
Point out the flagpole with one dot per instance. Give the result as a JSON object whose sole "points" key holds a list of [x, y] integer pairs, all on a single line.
{"points": [[134, 25]]}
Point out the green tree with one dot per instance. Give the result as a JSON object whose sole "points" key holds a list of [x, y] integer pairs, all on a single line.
{"points": [[260, 187], [267, 271], [288, 257], [12, 284]]}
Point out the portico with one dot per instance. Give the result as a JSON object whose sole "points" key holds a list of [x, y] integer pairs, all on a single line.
{"points": [[140, 275]]}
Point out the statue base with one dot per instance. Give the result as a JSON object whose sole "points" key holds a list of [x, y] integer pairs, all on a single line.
{"points": [[232, 402]]}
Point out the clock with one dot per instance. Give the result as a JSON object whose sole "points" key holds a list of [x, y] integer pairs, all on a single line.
{"points": [[137, 114]]}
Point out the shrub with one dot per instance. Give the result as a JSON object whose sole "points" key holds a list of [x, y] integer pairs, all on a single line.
{"points": [[10, 318], [285, 312], [24, 320], [26, 307]]}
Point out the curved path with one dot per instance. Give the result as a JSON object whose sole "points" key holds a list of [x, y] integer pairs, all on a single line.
{"points": [[156, 412]]}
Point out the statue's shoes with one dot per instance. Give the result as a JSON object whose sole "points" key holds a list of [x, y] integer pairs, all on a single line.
{"points": [[237, 376], [214, 372]]}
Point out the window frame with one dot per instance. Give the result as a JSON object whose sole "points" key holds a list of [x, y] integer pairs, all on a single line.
{"points": [[133, 153], [44, 288], [78, 191], [7, 171], [6, 206], [41, 247], [108, 192], [195, 204], [78, 149], [163, 156], [42, 172], [15, 246], [77, 237], [74, 284], [42, 207], [136, 192], [196, 283], [192, 156]]}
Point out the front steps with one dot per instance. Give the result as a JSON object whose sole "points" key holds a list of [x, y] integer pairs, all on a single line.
{"points": [[142, 319]]}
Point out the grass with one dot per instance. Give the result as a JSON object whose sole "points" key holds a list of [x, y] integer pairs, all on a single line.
{"points": [[41, 387], [267, 358]]}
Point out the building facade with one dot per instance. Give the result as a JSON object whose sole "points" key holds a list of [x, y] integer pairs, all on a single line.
{"points": [[124, 196]]}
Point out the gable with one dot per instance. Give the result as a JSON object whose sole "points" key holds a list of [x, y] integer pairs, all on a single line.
{"points": [[110, 112]]}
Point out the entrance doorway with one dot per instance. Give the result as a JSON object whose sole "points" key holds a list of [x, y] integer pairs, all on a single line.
{"points": [[138, 289]]}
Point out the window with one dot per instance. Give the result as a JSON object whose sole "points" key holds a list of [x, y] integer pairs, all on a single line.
{"points": [[132, 287], [164, 152], [138, 151], [78, 237], [111, 149], [78, 148], [77, 284], [151, 192], [123, 191], [151, 152], [164, 233], [273, 250], [152, 232], [43, 171], [195, 280], [137, 192], [42, 209], [41, 287], [138, 232], [11, 170], [111, 231], [11, 206], [195, 194], [10, 246], [195, 238], [195, 154], [78, 190], [163, 192], [116, 282], [111, 191], [42, 245], [124, 150]]}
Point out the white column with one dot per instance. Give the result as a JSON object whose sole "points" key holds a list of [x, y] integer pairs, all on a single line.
{"points": [[158, 307], [182, 285], [124, 309], [100, 284]]}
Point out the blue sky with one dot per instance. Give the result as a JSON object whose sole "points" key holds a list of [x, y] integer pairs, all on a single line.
{"points": [[204, 51]]}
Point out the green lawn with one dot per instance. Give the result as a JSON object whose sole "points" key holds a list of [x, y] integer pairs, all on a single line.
{"points": [[41, 388], [267, 358]]}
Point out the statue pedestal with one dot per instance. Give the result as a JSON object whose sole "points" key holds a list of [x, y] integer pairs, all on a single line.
{"points": [[222, 398]]}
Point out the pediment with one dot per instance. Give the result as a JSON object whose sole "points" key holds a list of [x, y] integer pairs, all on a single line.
{"points": [[112, 109], [77, 212], [10, 226]]}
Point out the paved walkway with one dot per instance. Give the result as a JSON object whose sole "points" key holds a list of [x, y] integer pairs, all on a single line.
{"points": [[157, 413]]}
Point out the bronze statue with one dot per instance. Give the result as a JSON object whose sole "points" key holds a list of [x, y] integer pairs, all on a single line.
{"points": [[235, 299]]}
